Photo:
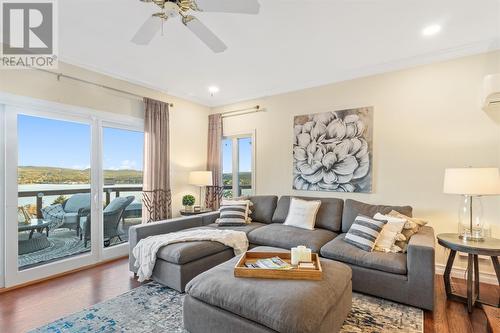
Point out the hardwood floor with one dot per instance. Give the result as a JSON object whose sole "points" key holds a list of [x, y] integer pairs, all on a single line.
{"points": [[452, 317], [32, 306]]}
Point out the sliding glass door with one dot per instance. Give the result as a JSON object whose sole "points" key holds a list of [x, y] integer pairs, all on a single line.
{"points": [[122, 156], [54, 185], [73, 185]]}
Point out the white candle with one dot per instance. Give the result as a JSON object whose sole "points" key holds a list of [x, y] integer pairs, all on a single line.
{"points": [[302, 252], [295, 256], [307, 255]]}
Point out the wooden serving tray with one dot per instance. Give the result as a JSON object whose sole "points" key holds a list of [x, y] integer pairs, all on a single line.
{"points": [[240, 270]]}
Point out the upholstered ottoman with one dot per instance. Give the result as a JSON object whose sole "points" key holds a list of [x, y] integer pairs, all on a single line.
{"points": [[216, 301]]}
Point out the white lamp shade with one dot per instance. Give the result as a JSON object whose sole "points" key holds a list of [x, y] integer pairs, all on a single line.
{"points": [[472, 181], [200, 178]]}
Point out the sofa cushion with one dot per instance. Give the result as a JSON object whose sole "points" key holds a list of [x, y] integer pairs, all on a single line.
{"points": [[77, 201], [286, 237], [116, 204], [245, 228], [263, 207], [329, 215], [270, 302], [339, 249], [182, 253], [71, 218], [353, 208]]}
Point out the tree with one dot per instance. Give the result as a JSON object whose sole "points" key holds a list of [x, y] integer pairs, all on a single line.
{"points": [[59, 200]]}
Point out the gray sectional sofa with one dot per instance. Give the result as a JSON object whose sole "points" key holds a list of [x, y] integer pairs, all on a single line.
{"points": [[402, 277]]}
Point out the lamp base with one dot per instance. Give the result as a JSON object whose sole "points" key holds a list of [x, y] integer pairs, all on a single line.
{"points": [[469, 238]]}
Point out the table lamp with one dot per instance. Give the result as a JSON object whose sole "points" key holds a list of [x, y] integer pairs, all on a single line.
{"points": [[471, 183], [201, 179]]}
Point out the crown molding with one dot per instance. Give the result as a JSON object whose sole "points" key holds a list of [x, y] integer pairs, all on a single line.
{"points": [[470, 49], [141, 83], [464, 50]]}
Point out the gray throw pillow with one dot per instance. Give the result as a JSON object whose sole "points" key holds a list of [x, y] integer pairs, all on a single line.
{"points": [[364, 232], [54, 214], [233, 214]]}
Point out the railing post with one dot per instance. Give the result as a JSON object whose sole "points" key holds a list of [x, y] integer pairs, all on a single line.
{"points": [[108, 196], [39, 204], [117, 194]]}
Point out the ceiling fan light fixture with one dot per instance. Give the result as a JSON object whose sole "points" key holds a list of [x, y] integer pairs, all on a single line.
{"points": [[173, 8], [213, 90], [431, 30]]}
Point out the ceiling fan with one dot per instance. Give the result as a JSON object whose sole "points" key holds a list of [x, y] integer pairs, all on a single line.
{"points": [[173, 8]]}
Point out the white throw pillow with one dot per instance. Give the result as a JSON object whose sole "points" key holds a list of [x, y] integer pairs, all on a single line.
{"points": [[389, 234], [302, 213]]}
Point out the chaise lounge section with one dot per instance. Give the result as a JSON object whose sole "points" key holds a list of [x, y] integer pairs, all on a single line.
{"points": [[402, 277]]}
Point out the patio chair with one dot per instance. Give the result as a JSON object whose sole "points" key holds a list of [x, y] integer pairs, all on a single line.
{"points": [[112, 215], [72, 212]]}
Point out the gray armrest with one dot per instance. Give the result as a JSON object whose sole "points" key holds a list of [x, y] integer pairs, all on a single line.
{"points": [[421, 266], [209, 218], [138, 232]]}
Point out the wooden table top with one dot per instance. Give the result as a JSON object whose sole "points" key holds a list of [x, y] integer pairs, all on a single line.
{"points": [[489, 247]]}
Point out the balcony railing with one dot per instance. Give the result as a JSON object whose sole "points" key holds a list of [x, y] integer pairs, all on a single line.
{"points": [[229, 188], [107, 191]]}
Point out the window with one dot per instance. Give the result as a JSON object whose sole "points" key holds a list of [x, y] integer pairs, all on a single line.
{"points": [[237, 165]]}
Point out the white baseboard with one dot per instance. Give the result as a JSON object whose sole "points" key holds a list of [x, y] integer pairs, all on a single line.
{"points": [[458, 272]]}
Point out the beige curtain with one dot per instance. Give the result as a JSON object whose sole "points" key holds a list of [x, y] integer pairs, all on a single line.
{"points": [[157, 200], [214, 161]]}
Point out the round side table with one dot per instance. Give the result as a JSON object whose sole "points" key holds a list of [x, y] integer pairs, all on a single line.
{"points": [[192, 212], [489, 247]]}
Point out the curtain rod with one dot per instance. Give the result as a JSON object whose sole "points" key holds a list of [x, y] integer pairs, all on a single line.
{"points": [[74, 78], [241, 112]]}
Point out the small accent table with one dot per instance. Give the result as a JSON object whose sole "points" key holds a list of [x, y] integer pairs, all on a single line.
{"points": [[35, 225], [35, 241], [489, 247], [190, 213]]}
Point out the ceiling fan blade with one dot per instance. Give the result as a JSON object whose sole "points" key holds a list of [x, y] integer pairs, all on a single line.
{"points": [[227, 6], [204, 34], [147, 31]]}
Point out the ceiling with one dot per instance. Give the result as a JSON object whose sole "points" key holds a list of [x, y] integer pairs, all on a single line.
{"points": [[290, 45]]}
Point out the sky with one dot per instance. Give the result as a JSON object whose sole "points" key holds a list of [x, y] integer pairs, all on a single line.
{"points": [[245, 155], [64, 144]]}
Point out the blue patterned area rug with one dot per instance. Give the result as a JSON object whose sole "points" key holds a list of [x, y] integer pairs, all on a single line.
{"points": [[154, 308]]}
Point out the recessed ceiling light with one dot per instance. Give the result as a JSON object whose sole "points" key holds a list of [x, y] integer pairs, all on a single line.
{"points": [[431, 30], [213, 90]]}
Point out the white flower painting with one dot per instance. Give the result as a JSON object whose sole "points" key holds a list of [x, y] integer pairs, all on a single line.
{"points": [[332, 151]]}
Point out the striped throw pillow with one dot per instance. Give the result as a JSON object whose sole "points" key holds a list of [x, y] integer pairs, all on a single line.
{"points": [[364, 232], [233, 213]]}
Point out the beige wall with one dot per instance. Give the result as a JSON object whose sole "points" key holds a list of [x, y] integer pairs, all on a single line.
{"points": [[425, 120], [188, 121]]}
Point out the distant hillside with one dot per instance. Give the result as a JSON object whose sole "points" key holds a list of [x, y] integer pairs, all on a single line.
{"points": [[245, 178], [50, 175]]}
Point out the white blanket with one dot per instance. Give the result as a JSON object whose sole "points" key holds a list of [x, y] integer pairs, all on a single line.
{"points": [[145, 251]]}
